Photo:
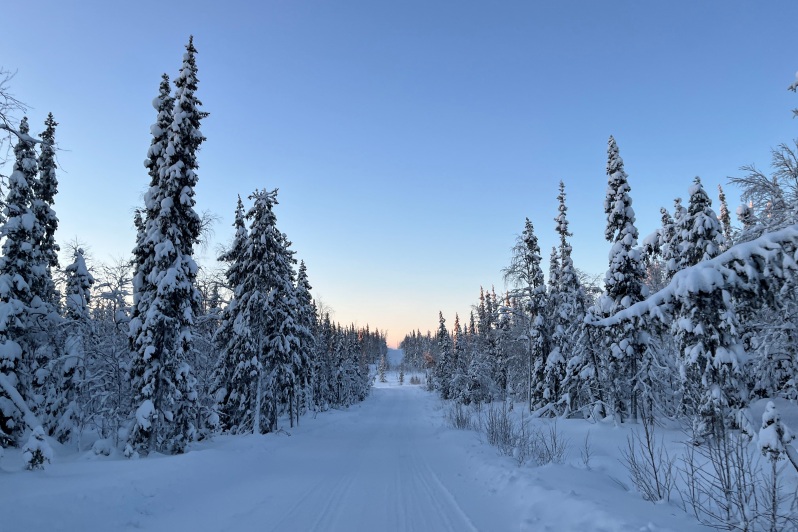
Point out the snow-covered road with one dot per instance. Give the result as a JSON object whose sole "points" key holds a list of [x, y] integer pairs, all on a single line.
{"points": [[387, 464]]}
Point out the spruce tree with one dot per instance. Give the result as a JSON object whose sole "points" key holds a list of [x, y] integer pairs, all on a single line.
{"points": [[725, 219], [534, 297], [672, 253], [162, 379], [72, 373], [443, 363], [306, 367], [568, 311], [238, 371], [700, 231], [623, 286], [17, 263], [45, 188], [706, 328], [259, 328]]}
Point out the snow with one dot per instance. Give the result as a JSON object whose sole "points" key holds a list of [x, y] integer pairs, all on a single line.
{"points": [[144, 413], [389, 463]]}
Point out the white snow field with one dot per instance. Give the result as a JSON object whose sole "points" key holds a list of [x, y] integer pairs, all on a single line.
{"points": [[390, 463]]}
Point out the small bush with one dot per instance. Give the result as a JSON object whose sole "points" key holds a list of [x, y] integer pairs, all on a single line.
{"points": [[36, 451], [550, 446], [649, 464], [458, 417], [499, 429]]}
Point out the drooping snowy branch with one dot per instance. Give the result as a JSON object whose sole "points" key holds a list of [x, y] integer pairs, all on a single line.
{"points": [[748, 268]]}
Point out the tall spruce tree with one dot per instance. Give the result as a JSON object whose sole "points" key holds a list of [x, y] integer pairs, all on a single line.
{"points": [[526, 273], [566, 339], [71, 383], [45, 188], [162, 379], [724, 218], [17, 277], [264, 339], [239, 371], [706, 328], [623, 286], [443, 368], [306, 320]]}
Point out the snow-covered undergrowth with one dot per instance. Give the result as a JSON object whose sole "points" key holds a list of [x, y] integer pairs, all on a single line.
{"points": [[738, 483]]}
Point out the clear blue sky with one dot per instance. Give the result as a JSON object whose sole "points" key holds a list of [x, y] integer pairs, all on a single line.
{"points": [[408, 139]]}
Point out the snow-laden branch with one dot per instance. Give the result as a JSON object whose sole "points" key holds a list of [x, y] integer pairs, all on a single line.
{"points": [[30, 418], [22, 136], [746, 268]]}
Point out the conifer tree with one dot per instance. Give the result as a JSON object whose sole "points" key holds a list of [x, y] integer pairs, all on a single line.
{"points": [[530, 274], [459, 365], [71, 374], [17, 262], [443, 363], [264, 336], [672, 252], [45, 188], [623, 285], [724, 218], [711, 350], [162, 379], [699, 228], [306, 320], [568, 311], [382, 369], [238, 371]]}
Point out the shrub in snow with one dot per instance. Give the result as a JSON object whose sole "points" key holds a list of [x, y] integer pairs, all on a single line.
{"points": [[650, 466], [458, 416], [37, 451], [773, 435], [103, 447]]}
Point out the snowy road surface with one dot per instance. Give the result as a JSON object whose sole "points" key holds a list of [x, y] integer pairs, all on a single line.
{"points": [[387, 464]]}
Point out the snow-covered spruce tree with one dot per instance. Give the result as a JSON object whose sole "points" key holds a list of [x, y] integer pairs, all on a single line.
{"points": [[673, 238], [443, 361], [505, 348], [44, 189], [306, 365], [166, 298], [623, 285], [324, 380], [567, 358], [238, 370], [725, 219], [259, 329], [57, 379], [71, 373], [699, 228], [382, 369], [458, 384], [482, 366], [17, 304], [711, 352], [289, 366], [526, 274]]}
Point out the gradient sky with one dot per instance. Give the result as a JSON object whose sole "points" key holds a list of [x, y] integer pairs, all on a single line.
{"points": [[409, 139]]}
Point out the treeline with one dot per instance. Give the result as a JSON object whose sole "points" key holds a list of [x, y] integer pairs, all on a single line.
{"points": [[155, 352], [692, 323]]}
